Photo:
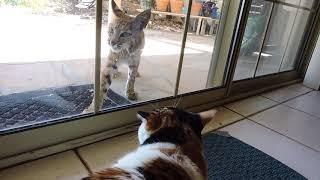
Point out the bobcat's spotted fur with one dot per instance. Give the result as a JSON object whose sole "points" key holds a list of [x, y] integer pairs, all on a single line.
{"points": [[126, 41]]}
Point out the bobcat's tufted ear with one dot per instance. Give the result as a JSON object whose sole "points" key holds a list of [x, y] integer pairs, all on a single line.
{"points": [[116, 11], [141, 20]]}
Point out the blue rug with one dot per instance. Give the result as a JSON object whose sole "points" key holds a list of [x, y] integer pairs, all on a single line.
{"points": [[230, 158]]}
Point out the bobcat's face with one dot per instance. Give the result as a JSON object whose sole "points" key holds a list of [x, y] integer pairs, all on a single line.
{"points": [[124, 30], [119, 37]]}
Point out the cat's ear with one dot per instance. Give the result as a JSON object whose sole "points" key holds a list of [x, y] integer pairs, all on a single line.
{"points": [[207, 116], [142, 116], [141, 20], [116, 11]]}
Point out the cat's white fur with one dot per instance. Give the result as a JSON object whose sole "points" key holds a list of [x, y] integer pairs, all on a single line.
{"points": [[147, 153], [142, 133], [143, 155]]}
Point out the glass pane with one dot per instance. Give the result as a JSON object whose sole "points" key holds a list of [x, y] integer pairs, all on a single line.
{"points": [[206, 56], [302, 3], [277, 37], [142, 60], [153, 52], [297, 34], [253, 38], [292, 2], [46, 61], [203, 29], [307, 3]]}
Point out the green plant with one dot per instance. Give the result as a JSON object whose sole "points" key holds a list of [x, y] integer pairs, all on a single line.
{"points": [[11, 2], [35, 5]]}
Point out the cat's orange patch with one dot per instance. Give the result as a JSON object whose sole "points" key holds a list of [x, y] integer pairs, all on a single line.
{"points": [[155, 122]]}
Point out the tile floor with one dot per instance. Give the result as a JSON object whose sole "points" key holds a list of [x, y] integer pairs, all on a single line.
{"points": [[283, 123]]}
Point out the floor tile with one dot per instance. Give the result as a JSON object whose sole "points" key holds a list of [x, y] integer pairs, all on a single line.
{"points": [[102, 154], [63, 166], [286, 93], [298, 157], [292, 123], [251, 105], [309, 103], [223, 117]]}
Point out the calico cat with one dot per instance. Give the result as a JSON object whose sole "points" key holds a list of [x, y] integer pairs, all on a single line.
{"points": [[170, 148], [126, 41]]}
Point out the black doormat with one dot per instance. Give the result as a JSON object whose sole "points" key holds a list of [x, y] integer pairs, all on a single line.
{"points": [[31, 107], [230, 158]]}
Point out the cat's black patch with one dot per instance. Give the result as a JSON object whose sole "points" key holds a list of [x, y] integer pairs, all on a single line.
{"points": [[193, 119], [160, 169], [143, 114], [175, 135], [145, 175]]}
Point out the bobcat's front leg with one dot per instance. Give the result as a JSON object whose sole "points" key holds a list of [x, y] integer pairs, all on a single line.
{"points": [[105, 83], [132, 74]]}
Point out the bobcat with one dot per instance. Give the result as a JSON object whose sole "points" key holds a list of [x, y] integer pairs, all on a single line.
{"points": [[126, 41]]}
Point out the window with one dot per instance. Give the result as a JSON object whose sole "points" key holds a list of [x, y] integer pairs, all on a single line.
{"points": [[48, 56], [46, 61], [273, 36]]}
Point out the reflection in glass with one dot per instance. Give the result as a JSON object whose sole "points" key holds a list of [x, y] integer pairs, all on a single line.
{"points": [[291, 56], [199, 47], [276, 40], [273, 46], [253, 38], [297, 3]]}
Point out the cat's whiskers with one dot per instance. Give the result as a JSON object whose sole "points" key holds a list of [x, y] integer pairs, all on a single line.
{"points": [[157, 106], [174, 102], [179, 100], [153, 106]]}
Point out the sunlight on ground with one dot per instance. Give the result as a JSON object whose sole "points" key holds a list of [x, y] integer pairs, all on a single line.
{"points": [[27, 37], [44, 51]]}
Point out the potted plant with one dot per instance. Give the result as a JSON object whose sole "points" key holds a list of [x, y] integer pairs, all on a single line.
{"points": [[146, 4], [176, 6], [162, 5], [195, 9]]}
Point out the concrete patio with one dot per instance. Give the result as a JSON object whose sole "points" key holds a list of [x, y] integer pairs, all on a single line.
{"points": [[39, 52]]}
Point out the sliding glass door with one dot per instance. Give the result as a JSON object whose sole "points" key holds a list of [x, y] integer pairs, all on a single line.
{"points": [[53, 55], [275, 36]]}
